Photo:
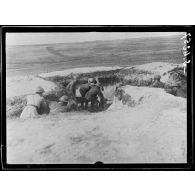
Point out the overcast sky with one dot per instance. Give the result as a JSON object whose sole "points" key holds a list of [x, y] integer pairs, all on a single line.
{"points": [[46, 38]]}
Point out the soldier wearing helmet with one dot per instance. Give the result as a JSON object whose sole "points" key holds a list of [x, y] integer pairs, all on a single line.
{"points": [[157, 83], [157, 77], [65, 104], [64, 100], [83, 89], [92, 81], [36, 104], [94, 93]]}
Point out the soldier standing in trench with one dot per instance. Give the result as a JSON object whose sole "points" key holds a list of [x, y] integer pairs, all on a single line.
{"points": [[157, 83], [93, 94], [71, 92], [71, 87], [83, 89]]}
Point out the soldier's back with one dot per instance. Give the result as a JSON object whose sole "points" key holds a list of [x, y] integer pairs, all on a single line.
{"points": [[84, 88], [93, 92]]}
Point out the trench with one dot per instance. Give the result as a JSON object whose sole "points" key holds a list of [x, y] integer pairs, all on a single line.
{"points": [[16, 105], [108, 79], [108, 93]]}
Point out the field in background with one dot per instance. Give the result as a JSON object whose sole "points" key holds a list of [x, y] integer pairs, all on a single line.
{"points": [[34, 59]]}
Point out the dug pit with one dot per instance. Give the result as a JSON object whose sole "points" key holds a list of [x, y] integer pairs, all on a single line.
{"points": [[56, 84]]}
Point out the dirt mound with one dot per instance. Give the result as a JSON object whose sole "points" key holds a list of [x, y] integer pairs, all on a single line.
{"points": [[141, 75], [83, 70], [135, 77], [176, 83], [146, 96], [18, 86]]}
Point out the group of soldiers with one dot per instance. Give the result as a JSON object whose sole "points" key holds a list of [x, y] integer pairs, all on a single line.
{"points": [[90, 92]]}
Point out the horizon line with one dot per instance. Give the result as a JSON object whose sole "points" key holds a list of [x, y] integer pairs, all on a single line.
{"points": [[96, 40]]}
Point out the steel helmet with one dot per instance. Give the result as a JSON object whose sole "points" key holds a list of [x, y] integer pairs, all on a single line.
{"points": [[39, 89], [92, 80], [64, 98], [157, 77]]}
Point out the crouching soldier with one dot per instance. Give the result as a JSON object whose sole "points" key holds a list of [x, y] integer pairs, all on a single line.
{"points": [[36, 105], [72, 105], [64, 105], [93, 94], [157, 83]]}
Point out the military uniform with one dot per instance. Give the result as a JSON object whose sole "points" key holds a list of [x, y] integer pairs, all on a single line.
{"points": [[72, 105], [157, 84], [36, 105], [64, 105], [84, 88], [57, 107], [71, 88], [93, 94]]}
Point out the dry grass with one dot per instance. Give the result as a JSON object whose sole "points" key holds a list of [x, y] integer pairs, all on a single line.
{"points": [[15, 106]]}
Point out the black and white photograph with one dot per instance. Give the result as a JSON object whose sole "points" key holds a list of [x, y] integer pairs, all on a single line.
{"points": [[96, 97]]}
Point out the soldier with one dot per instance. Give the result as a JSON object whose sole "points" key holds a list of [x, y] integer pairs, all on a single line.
{"points": [[72, 105], [64, 105], [99, 84], [60, 106], [84, 88], [93, 94], [36, 104], [157, 83], [71, 87]]}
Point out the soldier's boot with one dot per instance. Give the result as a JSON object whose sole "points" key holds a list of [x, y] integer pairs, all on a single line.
{"points": [[82, 104], [95, 105], [86, 104]]}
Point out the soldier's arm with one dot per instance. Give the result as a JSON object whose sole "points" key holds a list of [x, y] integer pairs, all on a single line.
{"points": [[101, 96], [44, 107]]}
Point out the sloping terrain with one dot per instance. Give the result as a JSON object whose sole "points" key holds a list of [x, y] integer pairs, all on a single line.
{"points": [[154, 131]]}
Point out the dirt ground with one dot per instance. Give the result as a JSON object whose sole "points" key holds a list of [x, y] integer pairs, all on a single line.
{"points": [[154, 131]]}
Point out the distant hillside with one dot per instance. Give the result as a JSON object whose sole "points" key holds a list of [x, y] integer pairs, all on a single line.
{"points": [[33, 59]]}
